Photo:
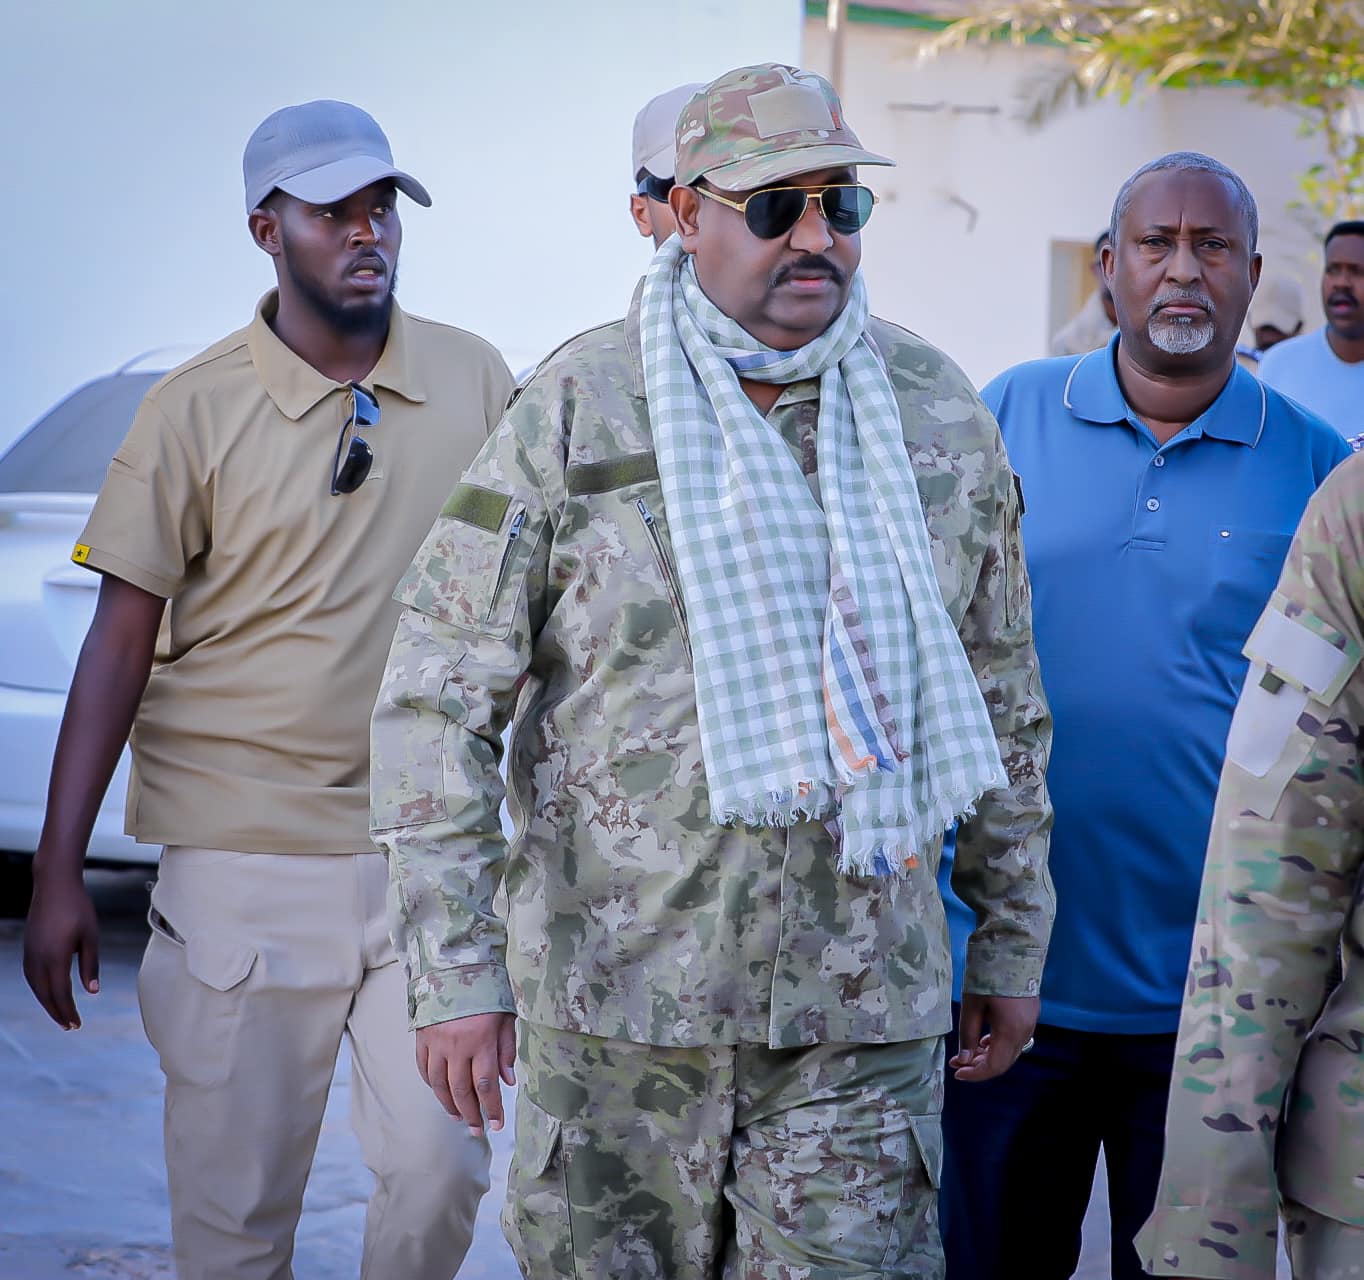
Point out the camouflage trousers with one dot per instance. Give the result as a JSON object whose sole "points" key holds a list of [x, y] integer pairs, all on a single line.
{"points": [[636, 1162], [1321, 1248]]}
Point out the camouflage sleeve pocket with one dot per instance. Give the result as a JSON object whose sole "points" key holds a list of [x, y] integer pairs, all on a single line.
{"points": [[412, 717], [471, 570], [1298, 667]]}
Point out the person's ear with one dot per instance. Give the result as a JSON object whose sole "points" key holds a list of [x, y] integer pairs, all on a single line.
{"points": [[639, 211], [685, 202], [1107, 261], [1257, 263], [264, 224]]}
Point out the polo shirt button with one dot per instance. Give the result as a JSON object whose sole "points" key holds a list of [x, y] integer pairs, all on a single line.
{"points": [[1153, 504], [1158, 460]]}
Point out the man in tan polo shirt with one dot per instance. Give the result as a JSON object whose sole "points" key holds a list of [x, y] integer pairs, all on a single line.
{"points": [[273, 490]]}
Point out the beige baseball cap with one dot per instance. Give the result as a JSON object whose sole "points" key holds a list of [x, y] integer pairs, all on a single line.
{"points": [[756, 125], [655, 137]]}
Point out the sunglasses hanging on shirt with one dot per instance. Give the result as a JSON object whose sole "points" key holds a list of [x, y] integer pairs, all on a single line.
{"points": [[349, 473]]}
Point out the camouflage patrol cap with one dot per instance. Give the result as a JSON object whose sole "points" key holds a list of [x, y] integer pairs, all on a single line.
{"points": [[759, 124]]}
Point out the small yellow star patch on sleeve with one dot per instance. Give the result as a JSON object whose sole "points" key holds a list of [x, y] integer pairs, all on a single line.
{"points": [[81, 553]]}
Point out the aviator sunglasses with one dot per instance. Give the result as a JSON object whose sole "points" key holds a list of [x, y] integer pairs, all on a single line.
{"points": [[772, 212], [349, 474]]}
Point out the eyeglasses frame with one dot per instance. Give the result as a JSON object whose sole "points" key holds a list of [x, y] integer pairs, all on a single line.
{"points": [[808, 192]]}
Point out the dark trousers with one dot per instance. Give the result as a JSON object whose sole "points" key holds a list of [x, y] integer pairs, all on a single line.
{"points": [[1021, 1151]]}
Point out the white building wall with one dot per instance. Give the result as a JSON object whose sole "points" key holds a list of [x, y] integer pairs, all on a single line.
{"points": [[960, 248]]}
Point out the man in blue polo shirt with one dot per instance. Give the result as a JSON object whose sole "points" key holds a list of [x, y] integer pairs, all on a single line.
{"points": [[1162, 485]]}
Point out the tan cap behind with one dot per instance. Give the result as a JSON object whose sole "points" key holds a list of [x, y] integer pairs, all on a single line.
{"points": [[655, 136]]}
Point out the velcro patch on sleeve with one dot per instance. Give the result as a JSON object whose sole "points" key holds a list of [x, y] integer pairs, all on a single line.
{"points": [[81, 553], [612, 473], [1263, 723], [1298, 655], [475, 505], [1298, 667]]}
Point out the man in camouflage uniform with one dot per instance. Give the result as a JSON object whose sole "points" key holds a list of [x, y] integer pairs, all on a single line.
{"points": [[731, 1050], [1267, 1100]]}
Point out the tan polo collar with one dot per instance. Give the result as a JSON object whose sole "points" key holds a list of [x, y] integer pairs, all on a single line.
{"points": [[295, 386]]}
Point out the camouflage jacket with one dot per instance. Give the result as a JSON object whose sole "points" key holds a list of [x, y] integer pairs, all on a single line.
{"points": [[1267, 1099], [548, 582]]}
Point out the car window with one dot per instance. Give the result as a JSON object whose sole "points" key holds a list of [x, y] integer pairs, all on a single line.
{"points": [[68, 449]]}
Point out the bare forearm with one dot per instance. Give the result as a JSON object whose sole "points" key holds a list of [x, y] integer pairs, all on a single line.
{"points": [[111, 675]]}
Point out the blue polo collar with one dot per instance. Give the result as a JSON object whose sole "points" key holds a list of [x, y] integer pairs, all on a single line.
{"points": [[1092, 394]]}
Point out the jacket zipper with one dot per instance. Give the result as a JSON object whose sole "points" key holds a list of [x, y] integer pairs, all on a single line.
{"points": [[513, 533], [666, 569]]}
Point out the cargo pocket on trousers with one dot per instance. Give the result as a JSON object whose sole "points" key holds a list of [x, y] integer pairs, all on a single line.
{"points": [[915, 1247], [536, 1217], [927, 1132], [190, 992]]}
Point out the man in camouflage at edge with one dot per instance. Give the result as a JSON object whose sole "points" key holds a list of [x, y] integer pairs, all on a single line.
{"points": [[731, 1048], [1267, 1101]]}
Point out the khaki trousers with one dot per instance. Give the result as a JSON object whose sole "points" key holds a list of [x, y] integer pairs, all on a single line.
{"points": [[257, 965], [1320, 1248], [635, 1162]]}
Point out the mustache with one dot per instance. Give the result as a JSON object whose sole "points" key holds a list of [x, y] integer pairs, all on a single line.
{"points": [[1177, 297], [1341, 295], [809, 263]]}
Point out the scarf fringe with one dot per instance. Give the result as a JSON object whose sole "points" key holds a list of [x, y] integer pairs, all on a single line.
{"points": [[878, 853], [779, 807]]}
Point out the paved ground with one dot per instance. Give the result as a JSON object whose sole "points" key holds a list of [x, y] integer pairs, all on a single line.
{"points": [[82, 1190]]}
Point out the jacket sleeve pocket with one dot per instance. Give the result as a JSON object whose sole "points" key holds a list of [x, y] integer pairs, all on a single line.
{"points": [[471, 570]]}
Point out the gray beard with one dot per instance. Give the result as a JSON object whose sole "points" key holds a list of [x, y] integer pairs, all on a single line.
{"points": [[1180, 337]]}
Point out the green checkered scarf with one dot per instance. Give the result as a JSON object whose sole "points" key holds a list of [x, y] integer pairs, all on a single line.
{"points": [[830, 680]]}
